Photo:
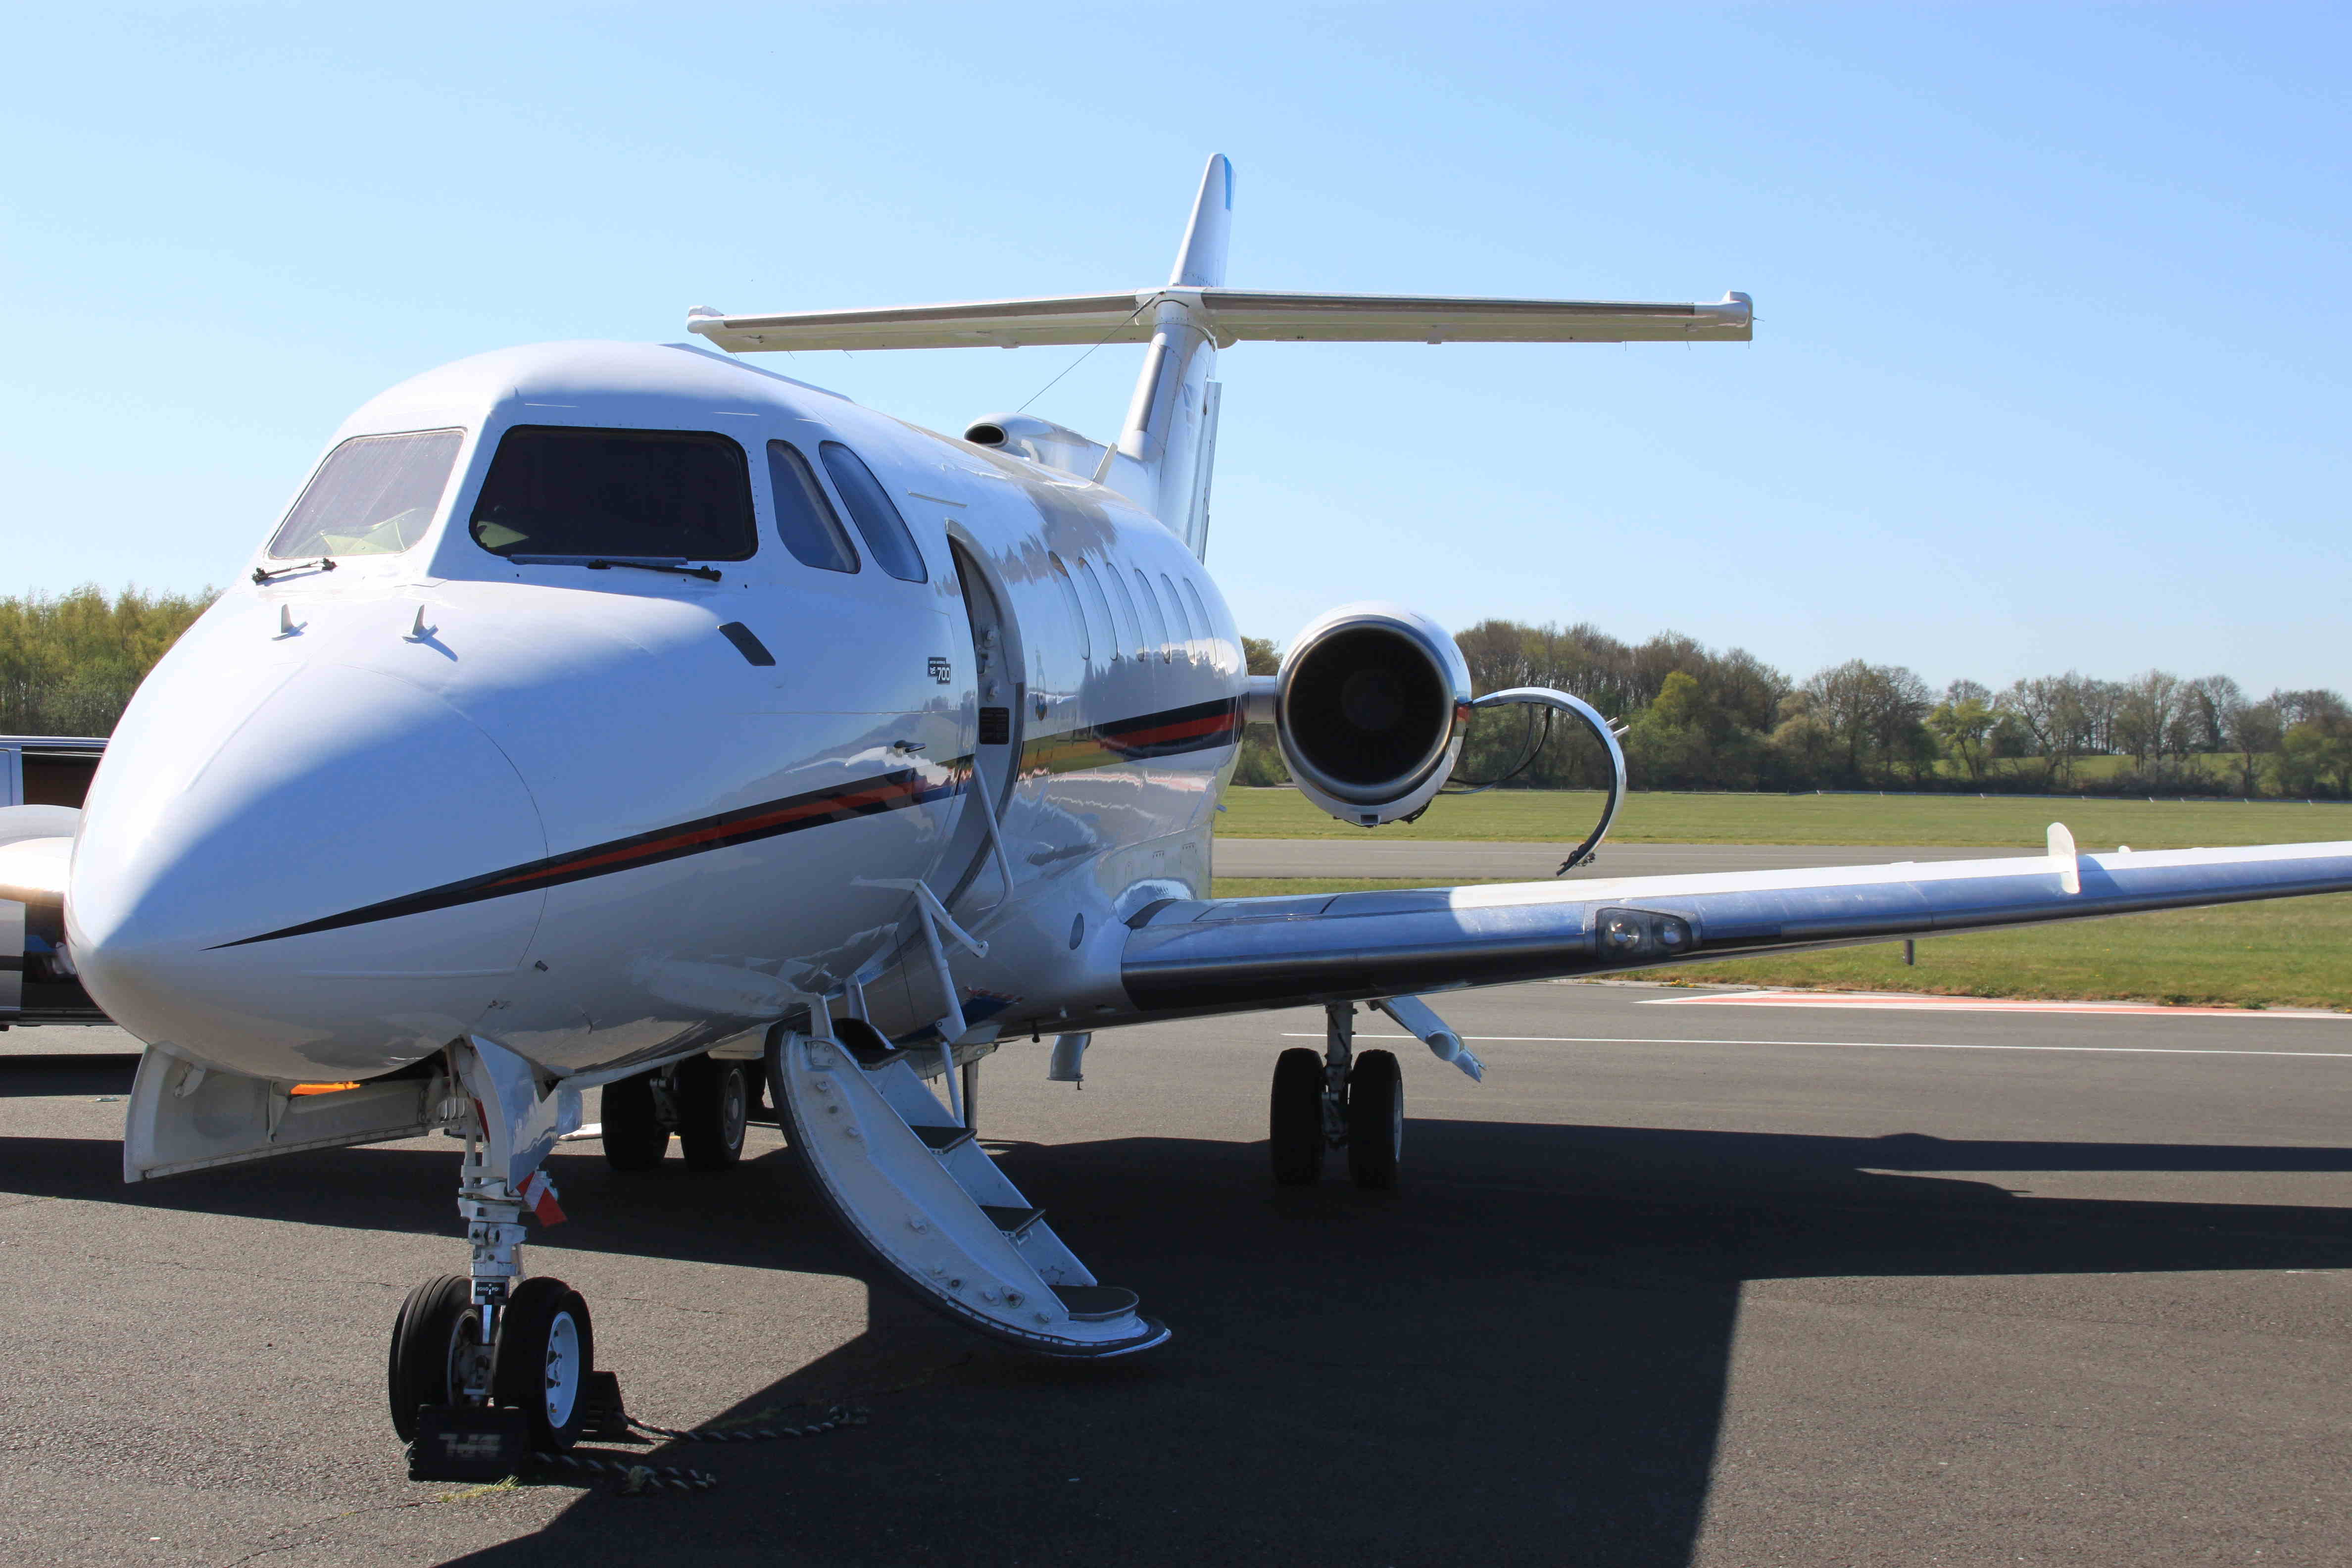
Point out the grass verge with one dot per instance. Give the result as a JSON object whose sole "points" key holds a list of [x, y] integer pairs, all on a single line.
{"points": [[1652, 817], [2288, 952]]}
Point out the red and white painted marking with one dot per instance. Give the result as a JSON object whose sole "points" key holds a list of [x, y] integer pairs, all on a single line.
{"points": [[1908, 1002]]}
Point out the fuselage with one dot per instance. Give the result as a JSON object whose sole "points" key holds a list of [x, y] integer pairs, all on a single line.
{"points": [[609, 813]]}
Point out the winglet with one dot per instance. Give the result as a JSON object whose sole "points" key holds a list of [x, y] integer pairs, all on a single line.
{"points": [[2064, 859]]}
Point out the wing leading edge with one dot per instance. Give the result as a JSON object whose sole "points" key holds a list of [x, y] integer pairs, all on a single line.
{"points": [[1225, 955]]}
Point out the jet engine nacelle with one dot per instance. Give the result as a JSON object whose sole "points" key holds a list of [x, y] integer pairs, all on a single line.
{"points": [[1371, 706]]}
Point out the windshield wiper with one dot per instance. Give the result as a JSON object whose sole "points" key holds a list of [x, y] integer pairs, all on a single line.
{"points": [[324, 564], [707, 574]]}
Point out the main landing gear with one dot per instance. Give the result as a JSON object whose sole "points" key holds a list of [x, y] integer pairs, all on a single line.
{"points": [[707, 1103], [1343, 1101], [489, 1368]]}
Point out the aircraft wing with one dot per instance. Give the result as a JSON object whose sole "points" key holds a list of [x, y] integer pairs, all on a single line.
{"points": [[1233, 315], [1230, 954], [32, 870]]}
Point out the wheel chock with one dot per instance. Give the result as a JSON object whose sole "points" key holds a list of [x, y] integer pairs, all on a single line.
{"points": [[606, 1420], [468, 1443]]}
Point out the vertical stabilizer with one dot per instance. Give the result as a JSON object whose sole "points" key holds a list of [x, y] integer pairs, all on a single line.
{"points": [[1168, 447], [1201, 260]]}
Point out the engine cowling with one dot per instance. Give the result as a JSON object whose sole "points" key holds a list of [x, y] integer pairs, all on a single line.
{"points": [[1369, 708]]}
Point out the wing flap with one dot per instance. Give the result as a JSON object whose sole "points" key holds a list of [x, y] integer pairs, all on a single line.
{"points": [[1235, 953]]}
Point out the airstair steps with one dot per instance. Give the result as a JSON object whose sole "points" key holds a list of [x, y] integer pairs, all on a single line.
{"points": [[1095, 1303], [928, 1201], [1013, 1221], [943, 1140]]}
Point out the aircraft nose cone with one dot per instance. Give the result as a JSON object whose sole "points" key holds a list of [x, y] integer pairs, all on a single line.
{"points": [[294, 897]]}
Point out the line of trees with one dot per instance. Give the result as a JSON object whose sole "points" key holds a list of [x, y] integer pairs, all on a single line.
{"points": [[1695, 718], [1698, 719], [68, 662]]}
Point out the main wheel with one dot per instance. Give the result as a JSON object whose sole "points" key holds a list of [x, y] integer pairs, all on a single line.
{"points": [[634, 1139], [714, 1102], [1375, 1120], [546, 1351], [426, 1349], [1295, 1122]]}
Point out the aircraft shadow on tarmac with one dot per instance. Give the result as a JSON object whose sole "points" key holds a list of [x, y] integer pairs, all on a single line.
{"points": [[1520, 1358]]}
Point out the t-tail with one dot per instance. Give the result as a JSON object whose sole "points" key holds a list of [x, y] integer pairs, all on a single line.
{"points": [[1166, 450]]}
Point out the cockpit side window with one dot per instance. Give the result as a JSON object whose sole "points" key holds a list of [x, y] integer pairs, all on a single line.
{"points": [[869, 505], [570, 490], [374, 495], [804, 516]]}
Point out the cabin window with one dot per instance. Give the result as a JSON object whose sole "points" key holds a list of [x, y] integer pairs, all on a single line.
{"points": [[1070, 602], [566, 490], [1130, 622], [1210, 645], [374, 495], [1158, 623], [805, 519], [1180, 624], [887, 535], [1090, 593]]}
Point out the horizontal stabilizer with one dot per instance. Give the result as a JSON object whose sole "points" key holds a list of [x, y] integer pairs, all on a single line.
{"points": [[1231, 316]]}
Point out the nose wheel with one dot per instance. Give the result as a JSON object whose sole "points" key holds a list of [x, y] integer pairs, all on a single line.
{"points": [[1339, 1101], [546, 1348]]}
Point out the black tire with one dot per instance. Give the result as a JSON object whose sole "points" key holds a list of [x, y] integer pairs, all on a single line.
{"points": [[1375, 1120], [714, 1104], [423, 1339], [634, 1139], [546, 1350], [1294, 1120]]}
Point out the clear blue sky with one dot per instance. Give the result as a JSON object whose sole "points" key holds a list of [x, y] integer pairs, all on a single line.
{"points": [[2054, 305]]}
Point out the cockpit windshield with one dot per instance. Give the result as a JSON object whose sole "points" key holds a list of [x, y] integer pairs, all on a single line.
{"points": [[374, 495], [567, 491]]}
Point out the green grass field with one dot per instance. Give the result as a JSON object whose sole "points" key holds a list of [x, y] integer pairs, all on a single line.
{"points": [[1658, 818], [2292, 952]]}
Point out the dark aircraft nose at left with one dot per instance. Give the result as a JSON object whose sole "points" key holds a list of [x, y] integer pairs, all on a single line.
{"points": [[274, 881]]}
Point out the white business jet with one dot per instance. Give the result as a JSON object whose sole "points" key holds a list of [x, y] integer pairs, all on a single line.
{"points": [[622, 715]]}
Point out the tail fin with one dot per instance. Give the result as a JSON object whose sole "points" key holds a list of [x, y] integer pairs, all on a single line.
{"points": [[1169, 446], [1201, 260]]}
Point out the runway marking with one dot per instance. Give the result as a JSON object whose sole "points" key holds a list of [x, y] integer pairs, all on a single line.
{"points": [[1899, 1002], [1842, 1045]]}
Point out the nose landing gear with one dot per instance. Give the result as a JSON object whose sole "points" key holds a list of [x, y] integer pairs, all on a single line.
{"points": [[488, 1369], [1342, 1101]]}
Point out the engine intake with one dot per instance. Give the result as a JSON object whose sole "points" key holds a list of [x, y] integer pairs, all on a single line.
{"points": [[1369, 710]]}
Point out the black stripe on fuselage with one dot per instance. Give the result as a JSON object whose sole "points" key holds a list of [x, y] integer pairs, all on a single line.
{"points": [[1203, 726], [748, 824], [1197, 728]]}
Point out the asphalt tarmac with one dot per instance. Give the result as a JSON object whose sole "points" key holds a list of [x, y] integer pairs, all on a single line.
{"points": [[1459, 860], [1679, 1283]]}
